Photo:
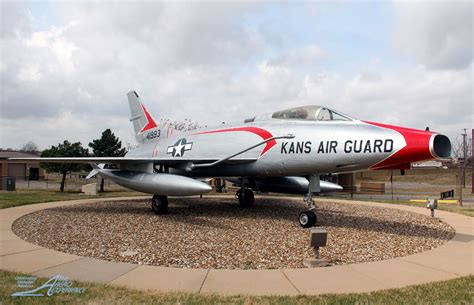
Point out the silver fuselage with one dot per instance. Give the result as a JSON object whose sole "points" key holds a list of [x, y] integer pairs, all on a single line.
{"points": [[317, 147]]}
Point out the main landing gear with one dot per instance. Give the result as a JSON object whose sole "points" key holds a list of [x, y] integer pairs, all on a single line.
{"points": [[159, 204], [307, 219], [245, 195]]}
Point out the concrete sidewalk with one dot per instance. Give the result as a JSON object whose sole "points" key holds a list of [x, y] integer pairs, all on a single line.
{"points": [[451, 260]]}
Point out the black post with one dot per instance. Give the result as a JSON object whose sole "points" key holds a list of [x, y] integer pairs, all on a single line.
{"points": [[352, 186], [391, 181]]}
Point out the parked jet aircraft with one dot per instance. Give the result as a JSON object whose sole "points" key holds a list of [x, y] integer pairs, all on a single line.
{"points": [[286, 151]]}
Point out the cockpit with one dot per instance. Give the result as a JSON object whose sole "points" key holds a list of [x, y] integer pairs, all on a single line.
{"points": [[311, 113], [305, 113]]}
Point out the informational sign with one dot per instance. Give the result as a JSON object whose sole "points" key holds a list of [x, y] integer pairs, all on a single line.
{"points": [[448, 194]]}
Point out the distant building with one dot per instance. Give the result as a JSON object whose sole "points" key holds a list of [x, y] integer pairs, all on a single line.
{"points": [[428, 164], [21, 171]]}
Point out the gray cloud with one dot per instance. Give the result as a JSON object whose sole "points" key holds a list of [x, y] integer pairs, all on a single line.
{"points": [[165, 35], [202, 61], [415, 98], [302, 56], [15, 20], [438, 33]]}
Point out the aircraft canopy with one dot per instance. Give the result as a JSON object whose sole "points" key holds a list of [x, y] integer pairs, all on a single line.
{"points": [[311, 113]]}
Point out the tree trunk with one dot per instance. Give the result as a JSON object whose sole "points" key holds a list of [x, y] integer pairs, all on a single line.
{"points": [[63, 182], [102, 185]]}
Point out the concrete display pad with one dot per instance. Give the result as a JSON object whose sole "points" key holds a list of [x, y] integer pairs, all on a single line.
{"points": [[451, 260], [215, 233]]}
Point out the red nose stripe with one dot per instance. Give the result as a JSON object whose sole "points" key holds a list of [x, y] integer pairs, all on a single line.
{"points": [[417, 147], [264, 134], [151, 123]]}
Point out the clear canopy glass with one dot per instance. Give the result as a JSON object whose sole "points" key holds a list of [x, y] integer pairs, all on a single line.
{"points": [[311, 113]]}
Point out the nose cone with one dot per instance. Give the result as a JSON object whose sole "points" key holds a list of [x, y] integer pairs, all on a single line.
{"points": [[328, 187], [199, 188], [182, 186], [420, 145]]}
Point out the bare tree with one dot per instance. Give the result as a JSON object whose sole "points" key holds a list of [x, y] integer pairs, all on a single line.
{"points": [[187, 124], [30, 147], [458, 148], [167, 127]]}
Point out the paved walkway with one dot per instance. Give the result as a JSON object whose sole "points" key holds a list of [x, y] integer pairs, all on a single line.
{"points": [[451, 260]]}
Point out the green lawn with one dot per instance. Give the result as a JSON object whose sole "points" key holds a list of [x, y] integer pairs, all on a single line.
{"points": [[454, 208], [428, 176], [458, 291], [23, 197]]}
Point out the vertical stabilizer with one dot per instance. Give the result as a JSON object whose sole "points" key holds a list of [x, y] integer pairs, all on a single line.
{"points": [[143, 124]]}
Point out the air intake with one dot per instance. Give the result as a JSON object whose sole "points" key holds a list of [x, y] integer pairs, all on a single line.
{"points": [[440, 147]]}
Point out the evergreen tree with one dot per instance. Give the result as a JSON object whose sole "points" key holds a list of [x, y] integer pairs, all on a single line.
{"points": [[65, 149], [107, 146]]}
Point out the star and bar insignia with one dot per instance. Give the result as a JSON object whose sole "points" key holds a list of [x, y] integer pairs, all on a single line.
{"points": [[178, 149]]}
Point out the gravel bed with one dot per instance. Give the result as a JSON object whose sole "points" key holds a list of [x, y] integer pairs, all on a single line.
{"points": [[216, 233]]}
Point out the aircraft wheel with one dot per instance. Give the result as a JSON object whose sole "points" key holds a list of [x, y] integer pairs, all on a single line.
{"points": [[307, 219], [159, 204], [246, 199]]}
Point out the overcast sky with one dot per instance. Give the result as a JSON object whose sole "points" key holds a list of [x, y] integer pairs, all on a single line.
{"points": [[66, 66]]}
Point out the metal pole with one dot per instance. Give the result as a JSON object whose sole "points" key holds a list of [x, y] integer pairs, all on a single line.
{"points": [[464, 162], [461, 170]]}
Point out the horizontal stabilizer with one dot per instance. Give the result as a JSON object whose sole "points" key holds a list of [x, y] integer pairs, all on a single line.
{"points": [[95, 171]]}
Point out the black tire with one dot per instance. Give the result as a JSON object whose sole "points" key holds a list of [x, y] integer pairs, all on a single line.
{"points": [[246, 199], [307, 219], [159, 204]]}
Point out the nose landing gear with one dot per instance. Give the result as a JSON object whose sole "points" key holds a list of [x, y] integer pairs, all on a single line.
{"points": [[307, 219]]}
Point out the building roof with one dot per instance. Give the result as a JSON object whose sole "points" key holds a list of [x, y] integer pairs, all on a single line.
{"points": [[5, 154]]}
